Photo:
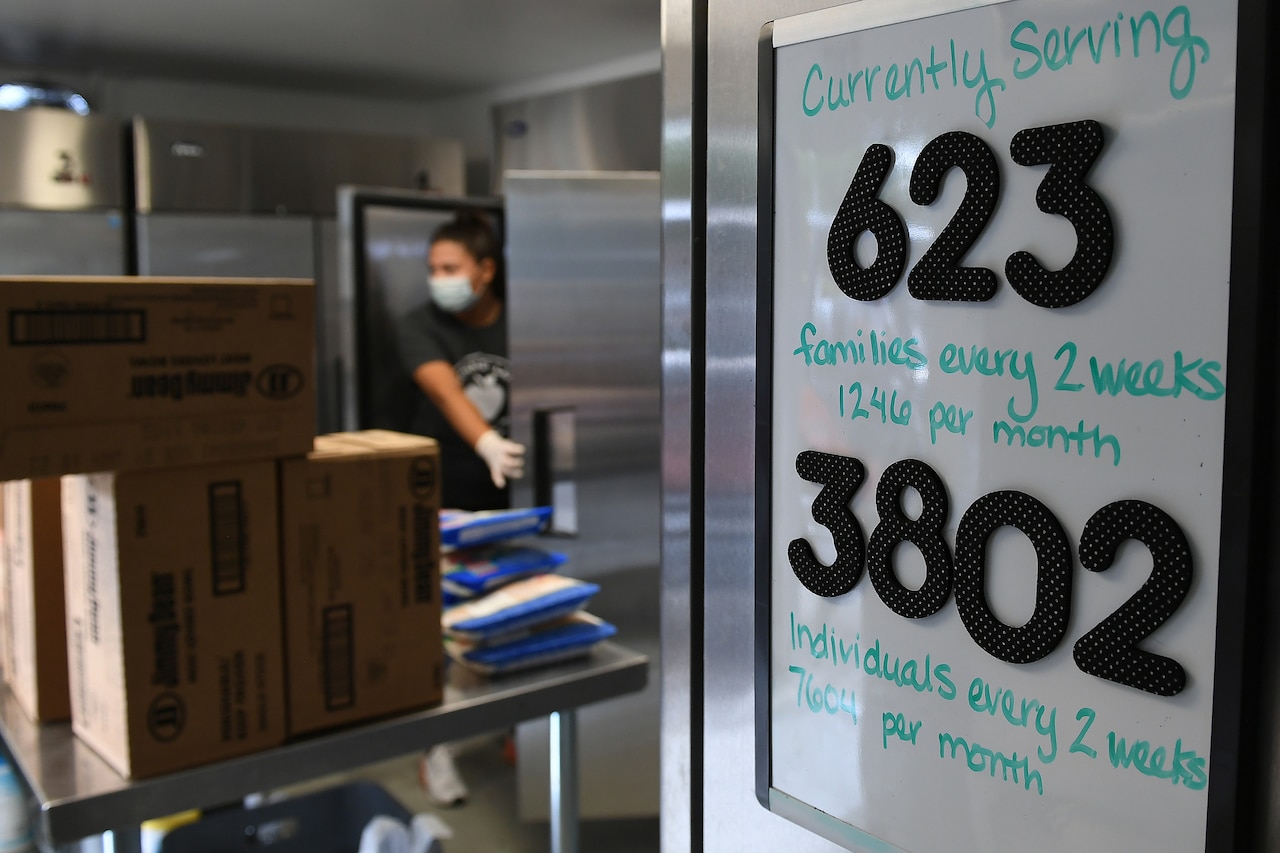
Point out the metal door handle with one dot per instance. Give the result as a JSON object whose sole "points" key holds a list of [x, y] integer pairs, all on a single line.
{"points": [[555, 468]]}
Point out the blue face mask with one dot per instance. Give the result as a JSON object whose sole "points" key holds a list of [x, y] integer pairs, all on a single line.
{"points": [[452, 293]]}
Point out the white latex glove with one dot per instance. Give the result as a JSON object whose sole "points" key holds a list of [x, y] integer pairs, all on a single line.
{"points": [[385, 835], [427, 830], [504, 458]]}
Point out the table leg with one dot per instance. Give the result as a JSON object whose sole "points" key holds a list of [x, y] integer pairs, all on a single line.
{"points": [[564, 782], [125, 841]]}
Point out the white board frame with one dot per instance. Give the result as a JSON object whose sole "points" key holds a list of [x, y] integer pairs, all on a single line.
{"points": [[1246, 494]]}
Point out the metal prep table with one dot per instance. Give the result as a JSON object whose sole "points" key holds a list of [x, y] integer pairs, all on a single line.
{"points": [[75, 794]]}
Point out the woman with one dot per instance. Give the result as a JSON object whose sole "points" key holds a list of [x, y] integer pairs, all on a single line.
{"points": [[455, 348]]}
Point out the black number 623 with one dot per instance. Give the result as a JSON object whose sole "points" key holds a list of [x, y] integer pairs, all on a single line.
{"points": [[1069, 150]]}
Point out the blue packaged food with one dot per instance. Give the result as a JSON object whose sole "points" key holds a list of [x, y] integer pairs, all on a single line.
{"points": [[517, 606], [474, 571], [562, 639], [462, 529]]}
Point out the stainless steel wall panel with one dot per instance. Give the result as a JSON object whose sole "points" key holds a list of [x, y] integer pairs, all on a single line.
{"points": [[190, 167], [584, 307], [397, 241], [56, 160], [297, 171], [441, 162], [204, 168], [289, 171], [614, 126]]}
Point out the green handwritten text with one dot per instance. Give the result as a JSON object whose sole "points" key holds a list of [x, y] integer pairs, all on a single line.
{"points": [[827, 91], [981, 759], [1058, 48]]}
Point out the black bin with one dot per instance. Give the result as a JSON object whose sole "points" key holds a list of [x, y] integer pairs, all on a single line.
{"points": [[328, 821]]}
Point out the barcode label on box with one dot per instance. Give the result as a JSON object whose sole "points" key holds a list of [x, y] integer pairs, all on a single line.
{"points": [[339, 656], [42, 328], [226, 535]]}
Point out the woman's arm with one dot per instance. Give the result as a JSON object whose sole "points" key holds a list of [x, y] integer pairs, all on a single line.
{"points": [[438, 381], [504, 458]]}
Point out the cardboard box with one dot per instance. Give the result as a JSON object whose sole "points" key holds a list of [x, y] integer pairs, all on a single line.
{"points": [[173, 614], [35, 626], [361, 544], [119, 374]]}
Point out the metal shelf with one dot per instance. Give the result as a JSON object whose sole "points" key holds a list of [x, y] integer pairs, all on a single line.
{"points": [[78, 795]]}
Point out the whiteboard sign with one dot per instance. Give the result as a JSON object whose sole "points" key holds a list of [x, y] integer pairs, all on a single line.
{"points": [[996, 254]]}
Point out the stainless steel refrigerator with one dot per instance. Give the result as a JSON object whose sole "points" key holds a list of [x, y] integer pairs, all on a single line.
{"points": [[227, 200], [584, 291], [62, 194]]}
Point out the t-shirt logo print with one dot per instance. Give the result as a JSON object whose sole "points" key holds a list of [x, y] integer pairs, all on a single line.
{"points": [[484, 380]]}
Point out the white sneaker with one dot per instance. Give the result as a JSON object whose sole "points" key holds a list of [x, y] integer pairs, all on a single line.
{"points": [[439, 776]]}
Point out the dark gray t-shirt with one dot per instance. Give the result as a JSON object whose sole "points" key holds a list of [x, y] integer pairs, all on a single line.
{"points": [[479, 358]]}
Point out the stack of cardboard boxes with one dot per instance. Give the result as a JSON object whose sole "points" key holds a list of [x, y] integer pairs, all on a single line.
{"points": [[231, 580]]}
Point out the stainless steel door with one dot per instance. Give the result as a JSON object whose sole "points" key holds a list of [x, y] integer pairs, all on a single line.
{"points": [[709, 156], [225, 245], [710, 62], [395, 282], [56, 160], [382, 240], [334, 313], [61, 194], [38, 242], [584, 317]]}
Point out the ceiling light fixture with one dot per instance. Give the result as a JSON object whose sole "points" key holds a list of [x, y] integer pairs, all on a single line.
{"points": [[21, 96]]}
